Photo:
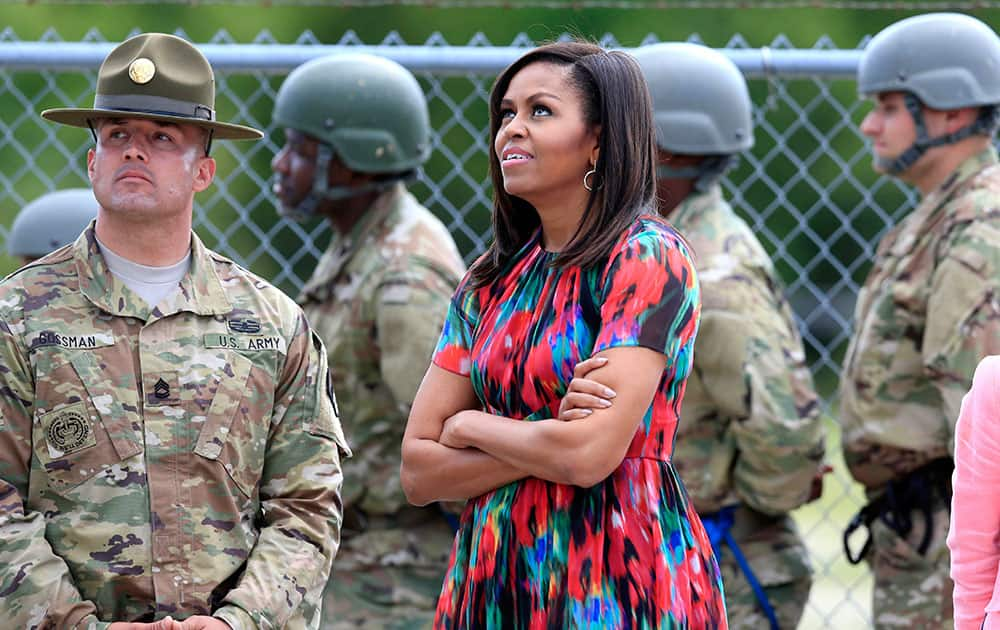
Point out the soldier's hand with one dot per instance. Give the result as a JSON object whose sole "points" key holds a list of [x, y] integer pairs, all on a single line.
{"points": [[583, 394], [167, 623], [817, 483], [201, 622]]}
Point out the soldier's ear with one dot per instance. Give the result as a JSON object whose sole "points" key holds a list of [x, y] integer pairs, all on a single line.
{"points": [[90, 165], [204, 173], [956, 119]]}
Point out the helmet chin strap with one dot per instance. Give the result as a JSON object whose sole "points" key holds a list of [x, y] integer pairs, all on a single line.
{"points": [[985, 124], [322, 191], [704, 174]]}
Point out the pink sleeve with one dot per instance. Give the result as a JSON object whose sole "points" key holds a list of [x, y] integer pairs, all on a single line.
{"points": [[975, 505]]}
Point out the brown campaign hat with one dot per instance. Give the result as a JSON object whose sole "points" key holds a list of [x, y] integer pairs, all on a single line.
{"points": [[159, 77]]}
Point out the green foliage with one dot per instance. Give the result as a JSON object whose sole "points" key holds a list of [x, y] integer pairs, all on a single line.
{"points": [[803, 27]]}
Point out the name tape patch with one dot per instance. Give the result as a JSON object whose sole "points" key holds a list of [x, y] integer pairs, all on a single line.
{"points": [[49, 338], [234, 342]]}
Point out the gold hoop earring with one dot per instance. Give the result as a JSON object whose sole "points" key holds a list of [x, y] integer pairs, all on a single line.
{"points": [[591, 173]]}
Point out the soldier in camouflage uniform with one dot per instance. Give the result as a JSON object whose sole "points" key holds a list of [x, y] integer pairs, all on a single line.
{"points": [[174, 457], [928, 311], [49, 222], [356, 128], [750, 439]]}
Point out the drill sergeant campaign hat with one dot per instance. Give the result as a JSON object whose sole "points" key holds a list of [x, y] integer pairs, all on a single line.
{"points": [[157, 77]]}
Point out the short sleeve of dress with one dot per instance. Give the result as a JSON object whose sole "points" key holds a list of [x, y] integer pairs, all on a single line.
{"points": [[454, 346], [649, 293]]}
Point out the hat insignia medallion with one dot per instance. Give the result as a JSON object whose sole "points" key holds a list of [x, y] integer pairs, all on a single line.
{"points": [[141, 71]]}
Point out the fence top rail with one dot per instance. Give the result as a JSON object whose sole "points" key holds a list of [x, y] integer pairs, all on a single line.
{"points": [[486, 60]]}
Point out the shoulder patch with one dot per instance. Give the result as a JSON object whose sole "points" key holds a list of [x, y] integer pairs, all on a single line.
{"points": [[68, 430]]}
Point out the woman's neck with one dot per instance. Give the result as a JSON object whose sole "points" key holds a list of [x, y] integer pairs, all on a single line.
{"points": [[560, 222]]}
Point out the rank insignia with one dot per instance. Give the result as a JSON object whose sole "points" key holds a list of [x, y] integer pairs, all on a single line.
{"points": [[165, 390], [161, 389]]}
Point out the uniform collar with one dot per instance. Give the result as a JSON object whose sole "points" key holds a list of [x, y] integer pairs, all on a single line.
{"points": [[200, 291], [933, 208], [694, 204], [965, 171], [343, 247]]}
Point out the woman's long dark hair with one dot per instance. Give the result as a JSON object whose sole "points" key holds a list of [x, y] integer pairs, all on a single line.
{"points": [[614, 96]]}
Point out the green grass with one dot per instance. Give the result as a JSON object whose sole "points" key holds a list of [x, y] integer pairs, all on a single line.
{"points": [[841, 592]]}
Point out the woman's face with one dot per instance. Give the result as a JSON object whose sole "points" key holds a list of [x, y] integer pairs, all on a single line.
{"points": [[544, 144]]}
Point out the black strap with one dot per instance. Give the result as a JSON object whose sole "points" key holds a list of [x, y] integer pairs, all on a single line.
{"points": [[913, 493], [866, 516]]}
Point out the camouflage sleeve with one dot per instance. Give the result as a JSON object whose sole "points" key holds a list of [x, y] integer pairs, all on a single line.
{"points": [[36, 587], [751, 361], [410, 309], [963, 315], [300, 496]]}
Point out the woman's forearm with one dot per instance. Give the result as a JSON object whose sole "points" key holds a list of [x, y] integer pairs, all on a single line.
{"points": [[557, 451], [434, 472], [579, 452]]}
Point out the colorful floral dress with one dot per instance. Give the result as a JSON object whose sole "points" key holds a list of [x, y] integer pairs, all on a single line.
{"points": [[629, 552]]}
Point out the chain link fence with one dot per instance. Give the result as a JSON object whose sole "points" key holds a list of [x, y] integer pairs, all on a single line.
{"points": [[866, 5], [806, 188]]}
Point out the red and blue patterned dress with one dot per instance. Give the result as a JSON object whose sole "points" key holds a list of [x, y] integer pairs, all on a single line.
{"points": [[629, 552]]}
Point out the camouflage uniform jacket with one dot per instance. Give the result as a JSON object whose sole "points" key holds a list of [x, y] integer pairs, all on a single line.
{"points": [[176, 460], [927, 313], [378, 299], [750, 430]]}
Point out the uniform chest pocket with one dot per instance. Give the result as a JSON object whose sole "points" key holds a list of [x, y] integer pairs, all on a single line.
{"points": [[78, 429], [236, 426]]}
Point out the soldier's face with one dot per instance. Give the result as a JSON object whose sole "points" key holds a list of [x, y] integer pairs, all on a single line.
{"points": [[544, 144], [148, 168], [671, 191], [889, 125], [295, 168]]}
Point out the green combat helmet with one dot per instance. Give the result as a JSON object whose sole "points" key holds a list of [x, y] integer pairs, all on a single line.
{"points": [[940, 60], [701, 106], [51, 221], [368, 111]]}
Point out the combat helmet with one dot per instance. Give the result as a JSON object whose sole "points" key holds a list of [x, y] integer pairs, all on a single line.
{"points": [[368, 111], [940, 60], [51, 221], [701, 106]]}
